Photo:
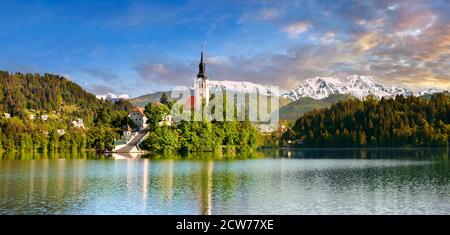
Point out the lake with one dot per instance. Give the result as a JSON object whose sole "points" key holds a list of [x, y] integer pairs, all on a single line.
{"points": [[313, 181]]}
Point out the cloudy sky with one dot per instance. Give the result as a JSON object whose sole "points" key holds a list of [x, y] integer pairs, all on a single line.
{"points": [[139, 47]]}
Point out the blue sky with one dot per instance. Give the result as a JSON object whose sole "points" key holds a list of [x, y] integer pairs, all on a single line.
{"points": [[139, 47]]}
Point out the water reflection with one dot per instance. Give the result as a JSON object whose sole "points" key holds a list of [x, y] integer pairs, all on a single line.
{"points": [[370, 153], [350, 181], [52, 155]]}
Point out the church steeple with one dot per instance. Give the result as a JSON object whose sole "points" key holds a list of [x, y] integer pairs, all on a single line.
{"points": [[201, 85], [202, 67]]}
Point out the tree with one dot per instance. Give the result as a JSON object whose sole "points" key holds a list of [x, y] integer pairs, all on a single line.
{"points": [[155, 112], [362, 138], [163, 139], [403, 121], [103, 116], [164, 99]]}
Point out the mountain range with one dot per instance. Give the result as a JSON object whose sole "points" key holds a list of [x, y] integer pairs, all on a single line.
{"points": [[113, 97], [243, 87], [313, 93], [358, 86], [317, 88]]}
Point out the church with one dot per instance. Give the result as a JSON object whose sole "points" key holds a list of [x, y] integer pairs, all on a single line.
{"points": [[201, 87]]}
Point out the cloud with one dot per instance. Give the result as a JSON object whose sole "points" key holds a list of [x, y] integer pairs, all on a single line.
{"points": [[393, 7], [101, 89], [433, 44], [367, 41], [140, 13], [328, 38], [425, 80], [166, 74], [218, 60], [159, 69], [100, 73], [396, 43], [410, 18], [268, 14], [295, 29], [373, 25]]}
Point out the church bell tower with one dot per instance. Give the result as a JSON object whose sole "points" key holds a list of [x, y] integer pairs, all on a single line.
{"points": [[201, 87]]}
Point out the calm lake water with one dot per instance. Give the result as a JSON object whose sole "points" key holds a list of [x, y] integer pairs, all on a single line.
{"points": [[336, 181]]}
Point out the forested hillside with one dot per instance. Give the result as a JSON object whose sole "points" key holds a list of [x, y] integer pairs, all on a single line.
{"points": [[411, 121], [292, 111], [47, 92], [38, 112]]}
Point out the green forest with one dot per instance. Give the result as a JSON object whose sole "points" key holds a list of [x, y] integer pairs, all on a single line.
{"points": [[197, 136], [397, 122], [34, 107]]}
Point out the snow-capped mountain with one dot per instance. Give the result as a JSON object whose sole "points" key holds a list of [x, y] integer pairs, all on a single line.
{"points": [[428, 91], [355, 85], [323, 87], [112, 96], [242, 87]]}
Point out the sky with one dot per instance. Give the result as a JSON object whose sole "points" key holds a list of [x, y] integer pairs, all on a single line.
{"points": [[140, 47]]}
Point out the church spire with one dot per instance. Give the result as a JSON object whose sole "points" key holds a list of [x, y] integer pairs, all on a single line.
{"points": [[202, 67]]}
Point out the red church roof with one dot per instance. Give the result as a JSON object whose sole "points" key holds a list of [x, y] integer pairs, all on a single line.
{"points": [[138, 109]]}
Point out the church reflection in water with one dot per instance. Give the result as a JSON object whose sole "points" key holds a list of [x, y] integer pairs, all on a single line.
{"points": [[206, 187], [154, 183]]}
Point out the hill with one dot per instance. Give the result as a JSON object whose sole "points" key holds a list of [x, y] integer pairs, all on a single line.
{"points": [[149, 98], [400, 122], [295, 109], [50, 113], [48, 92], [33, 91]]}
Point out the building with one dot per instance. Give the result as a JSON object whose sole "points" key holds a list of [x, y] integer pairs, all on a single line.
{"points": [[126, 132], [78, 123], [138, 117], [201, 89], [166, 121], [201, 85], [44, 117], [265, 128], [7, 115]]}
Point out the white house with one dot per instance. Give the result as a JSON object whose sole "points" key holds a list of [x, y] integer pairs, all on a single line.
{"points": [[166, 121], [7, 115], [265, 128], [78, 123], [138, 117], [61, 131], [127, 132], [44, 117]]}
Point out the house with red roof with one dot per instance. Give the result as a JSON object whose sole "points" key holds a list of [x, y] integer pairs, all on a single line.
{"points": [[138, 117]]}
